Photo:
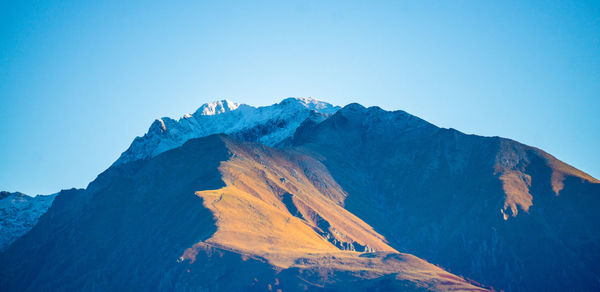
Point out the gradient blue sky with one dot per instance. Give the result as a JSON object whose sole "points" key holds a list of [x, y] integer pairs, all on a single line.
{"points": [[80, 79]]}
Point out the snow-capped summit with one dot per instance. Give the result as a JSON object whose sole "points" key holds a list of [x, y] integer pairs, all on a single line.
{"points": [[217, 107], [270, 125], [311, 103]]}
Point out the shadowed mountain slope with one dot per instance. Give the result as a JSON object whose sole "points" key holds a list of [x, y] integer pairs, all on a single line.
{"points": [[213, 214], [489, 208]]}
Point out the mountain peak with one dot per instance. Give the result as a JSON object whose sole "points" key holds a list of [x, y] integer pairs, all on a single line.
{"points": [[217, 107], [353, 108], [311, 103], [269, 125]]}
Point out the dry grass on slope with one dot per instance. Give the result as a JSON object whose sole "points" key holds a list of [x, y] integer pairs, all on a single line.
{"points": [[253, 218], [251, 226]]}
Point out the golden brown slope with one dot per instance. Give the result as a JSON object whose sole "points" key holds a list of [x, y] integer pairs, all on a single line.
{"points": [[511, 165], [273, 207]]}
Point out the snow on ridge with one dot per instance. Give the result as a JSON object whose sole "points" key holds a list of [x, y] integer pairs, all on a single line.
{"points": [[217, 107], [313, 104], [270, 125], [19, 213]]}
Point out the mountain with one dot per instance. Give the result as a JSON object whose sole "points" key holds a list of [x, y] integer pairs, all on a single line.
{"points": [[304, 195], [19, 213], [216, 214], [492, 209]]}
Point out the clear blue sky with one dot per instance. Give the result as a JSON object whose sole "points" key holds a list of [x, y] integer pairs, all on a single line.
{"points": [[80, 79]]}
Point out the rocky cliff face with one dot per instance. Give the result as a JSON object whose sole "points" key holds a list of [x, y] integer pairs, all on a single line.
{"points": [[489, 208], [19, 213]]}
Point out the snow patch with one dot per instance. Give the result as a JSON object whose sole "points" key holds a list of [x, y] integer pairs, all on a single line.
{"points": [[19, 213]]}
